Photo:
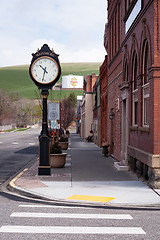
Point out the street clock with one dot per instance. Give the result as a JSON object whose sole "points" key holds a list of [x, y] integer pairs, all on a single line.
{"points": [[45, 71], [45, 68]]}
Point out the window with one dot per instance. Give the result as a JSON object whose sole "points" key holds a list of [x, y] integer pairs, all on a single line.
{"points": [[134, 90], [110, 41], [119, 26], [135, 69], [115, 29], [146, 111], [115, 32], [136, 112], [145, 63], [145, 84], [132, 16]]}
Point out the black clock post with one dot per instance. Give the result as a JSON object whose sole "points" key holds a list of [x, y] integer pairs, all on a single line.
{"points": [[44, 140], [45, 71]]}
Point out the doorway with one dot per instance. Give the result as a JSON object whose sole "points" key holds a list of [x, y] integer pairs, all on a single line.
{"points": [[124, 131]]}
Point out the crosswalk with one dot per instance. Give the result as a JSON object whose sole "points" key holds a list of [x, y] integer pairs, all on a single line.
{"points": [[84, 221]]}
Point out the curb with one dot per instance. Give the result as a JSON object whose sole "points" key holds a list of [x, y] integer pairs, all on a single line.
{"points": [[13, 188]]}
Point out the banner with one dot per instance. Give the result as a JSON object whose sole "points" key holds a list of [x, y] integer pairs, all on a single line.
{"points": [[72, 81]]}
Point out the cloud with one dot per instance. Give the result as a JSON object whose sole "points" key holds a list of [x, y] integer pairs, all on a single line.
{"points": [[74, 29]]}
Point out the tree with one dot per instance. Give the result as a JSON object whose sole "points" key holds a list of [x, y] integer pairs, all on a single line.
{"points": [[73, 99], [68, 112]]}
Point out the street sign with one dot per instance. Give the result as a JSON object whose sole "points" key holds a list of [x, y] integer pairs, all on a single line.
{"points": [[53, 111], [55, 124]]}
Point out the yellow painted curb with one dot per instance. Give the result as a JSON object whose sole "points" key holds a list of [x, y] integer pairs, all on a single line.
{"points": [[91, 198], [18, 176]]}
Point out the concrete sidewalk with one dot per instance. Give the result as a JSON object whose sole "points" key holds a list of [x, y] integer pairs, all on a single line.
{"points": [[89, 178]]}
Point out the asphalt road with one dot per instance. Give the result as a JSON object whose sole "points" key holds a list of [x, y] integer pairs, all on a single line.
{"points": [[23, 219], [17, 149]]}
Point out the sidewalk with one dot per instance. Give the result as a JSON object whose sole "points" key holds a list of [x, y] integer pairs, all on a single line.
{"points": [[87, 178]]}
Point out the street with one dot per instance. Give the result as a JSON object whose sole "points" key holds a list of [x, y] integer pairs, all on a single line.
{"points": [[16, 150], [24, 218], [27, 219]]}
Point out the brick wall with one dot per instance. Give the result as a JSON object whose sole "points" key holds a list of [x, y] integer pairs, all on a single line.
{"points": [[103, 89]]}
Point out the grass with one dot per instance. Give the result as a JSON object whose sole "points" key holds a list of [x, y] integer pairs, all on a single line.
{"points": [[17, 79], [16, 130]]}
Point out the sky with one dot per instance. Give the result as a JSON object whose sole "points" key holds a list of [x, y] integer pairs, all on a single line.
{"points": [[73, 28]]}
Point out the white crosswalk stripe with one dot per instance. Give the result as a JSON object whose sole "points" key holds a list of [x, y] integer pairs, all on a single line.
{"points": [[17, 143], [70, 215], [72, 230], [87, 216]]}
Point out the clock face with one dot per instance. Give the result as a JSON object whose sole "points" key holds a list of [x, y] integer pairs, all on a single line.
{"points": [[44, 70]]}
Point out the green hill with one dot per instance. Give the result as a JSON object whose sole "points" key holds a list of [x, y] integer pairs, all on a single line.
{"points": [[17, 79]]}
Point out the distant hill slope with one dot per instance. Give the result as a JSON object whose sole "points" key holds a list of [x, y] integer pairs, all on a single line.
{"points": [[17, 79]]}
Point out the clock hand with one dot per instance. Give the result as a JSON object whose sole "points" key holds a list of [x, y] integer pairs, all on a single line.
{"points": [[44, 73], [44, 69], [41, 67]]}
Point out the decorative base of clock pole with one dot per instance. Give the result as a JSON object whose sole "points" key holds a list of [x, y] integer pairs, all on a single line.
{"points": [[44, 166], [44, 141]]}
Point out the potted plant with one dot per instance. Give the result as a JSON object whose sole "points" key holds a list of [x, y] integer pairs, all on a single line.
{"points": [[57, 158], [67, 133], [63, 142], [105, 147]]}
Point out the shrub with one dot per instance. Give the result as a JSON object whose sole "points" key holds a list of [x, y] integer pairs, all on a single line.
{"points": [[55, 148], [63, 139]]}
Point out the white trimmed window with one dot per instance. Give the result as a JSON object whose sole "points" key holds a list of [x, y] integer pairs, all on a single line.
{"points": [[145, 85], [134, 90]]}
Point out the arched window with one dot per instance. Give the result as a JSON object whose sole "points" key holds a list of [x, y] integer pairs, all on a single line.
{"points": [[145, 63], [145, 84], [134, 90], [134, 71]]}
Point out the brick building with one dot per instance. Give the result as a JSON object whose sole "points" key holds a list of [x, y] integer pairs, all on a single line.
{"points": [[133, 94], [103, 100], [113, 40], [97, 112]]}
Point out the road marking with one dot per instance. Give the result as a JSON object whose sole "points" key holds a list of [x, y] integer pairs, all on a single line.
{"points": [[1, 142], [91, 198], [49, 206], [32, 144], [71, 230], [70, 215], [18, 176], [15, 143]]}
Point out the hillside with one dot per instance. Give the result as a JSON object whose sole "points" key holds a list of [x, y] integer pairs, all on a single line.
{"points": [[17, 79]]}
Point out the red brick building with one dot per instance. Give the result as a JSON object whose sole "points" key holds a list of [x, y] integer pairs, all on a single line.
{"points": [[113, 40], [133, 94], [103, 100]]}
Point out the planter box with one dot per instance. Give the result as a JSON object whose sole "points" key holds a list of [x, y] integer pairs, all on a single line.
{"points": [[64, 145], [58, 160]]}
